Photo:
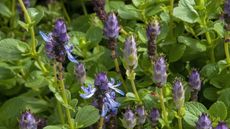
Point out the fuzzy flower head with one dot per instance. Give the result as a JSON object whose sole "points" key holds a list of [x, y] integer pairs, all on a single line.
{"points": [[154, 116], [27, 121], [101, 81], [194, 80], [160, 75], [129, 119], [153, 30], [178, 93], [60, 31], [130, 52], [80, 73], [141, 115], [111, 27], [227, 8], [204, 122], [222, 125]]}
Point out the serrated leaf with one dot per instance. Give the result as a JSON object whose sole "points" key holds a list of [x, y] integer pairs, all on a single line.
{"points": [[192, 43], [94, 34], [218, 110], [87, 116], [129, 12], [35, 14], [11, 49], [192, 111]]}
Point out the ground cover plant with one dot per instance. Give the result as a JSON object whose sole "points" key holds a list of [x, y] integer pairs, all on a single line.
{"points": [[114, 64]]}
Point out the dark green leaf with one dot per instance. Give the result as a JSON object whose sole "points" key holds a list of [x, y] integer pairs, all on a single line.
{"points": [[4, 10], [176, 55]]}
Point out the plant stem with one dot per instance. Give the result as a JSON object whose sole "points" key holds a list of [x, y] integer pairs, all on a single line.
{"points": [[134, 87], [84, 8], [64, 96], [164, 112], [33, 44], [59, 107], [101, 123], [226, 49], [118, 71], [180, 123]]}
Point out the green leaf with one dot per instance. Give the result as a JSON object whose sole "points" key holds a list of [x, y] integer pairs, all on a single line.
{"points": [[35, 14], [86, 116], [218, 110], [219, 28], [12, 49], [13, 107], [221, 80], [211, 93], [185, 11], [4, 10], [209, 70], [94, 34], [36, 80], [192, 43], [129, 12], [224, 96], [54, 127], [176, 55], [192, 111]]}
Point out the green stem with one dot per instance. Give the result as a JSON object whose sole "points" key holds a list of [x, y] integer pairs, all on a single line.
{"points": [[226, 49], [59, 107], [135, 90], [44, 70], [179, 112], [101, 123], [84, 8], [180, 123], [164, 112], [64, 96], [65, 12], [118, 71]]}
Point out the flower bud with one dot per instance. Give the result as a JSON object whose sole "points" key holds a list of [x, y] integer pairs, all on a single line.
{"points": [[160, 75], [27, 121], [154, 116], [222, 125], [80, 73], [130, 52], [99, 8], [60, 31], [111, 27], [129, 120], [178, 94], [194, 80], [204, 122], [101, 81], [153, 30], [141, 115]]}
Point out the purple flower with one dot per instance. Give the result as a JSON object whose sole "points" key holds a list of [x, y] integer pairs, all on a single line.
{"points": [[154, 116], [204, 122], [222, 125], [41, 123], [178, 93], [99, 8], [129, 120], [130, 52], [80, 72], [88, 92], [27, 121], [153, 30], [160, 75], [101, 81], [227, 8], [57, 43], [141, 115], [194, 80], [111, 27]]}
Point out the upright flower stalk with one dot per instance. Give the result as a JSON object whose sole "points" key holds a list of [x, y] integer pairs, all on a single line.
{"points": [[160, 78], [227, 29], [195, 84], [178, 97], [32, 33], [130, 57]]}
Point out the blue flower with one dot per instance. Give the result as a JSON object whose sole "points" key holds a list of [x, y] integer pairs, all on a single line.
{"points": [[52, 45], [88, 92], [112, 85]]}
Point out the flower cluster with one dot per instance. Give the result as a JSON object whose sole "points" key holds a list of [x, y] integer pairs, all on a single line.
{"points": [[204, 122], [129, 120], [104, 92], [57, 43], [195, 84], [160, 75], [99, 8], [178, 93], [80, 73], [154, 116], [152, 31], [141, 113]]}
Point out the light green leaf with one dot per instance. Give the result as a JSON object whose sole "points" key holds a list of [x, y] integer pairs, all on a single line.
{"points": [[192, 43], [218, 110], [4, 10], [129, 12], [87, 116], [35, 14]]}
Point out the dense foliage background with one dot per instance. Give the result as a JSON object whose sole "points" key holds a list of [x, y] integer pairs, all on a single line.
{"points": [[192, 35]]}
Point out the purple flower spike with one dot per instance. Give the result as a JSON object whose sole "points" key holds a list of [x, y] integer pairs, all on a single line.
{"points": [[130, 52], [154, 116], [129, 119], [194, 80], [160, 75], [60, 31], [111, 27], [222, 125], [80, 72], [153, 30], [27, 121], [204, 122], [99, 8], [141, 115], [88, 92], [101, 81], [227, 8], [178, 94]]}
